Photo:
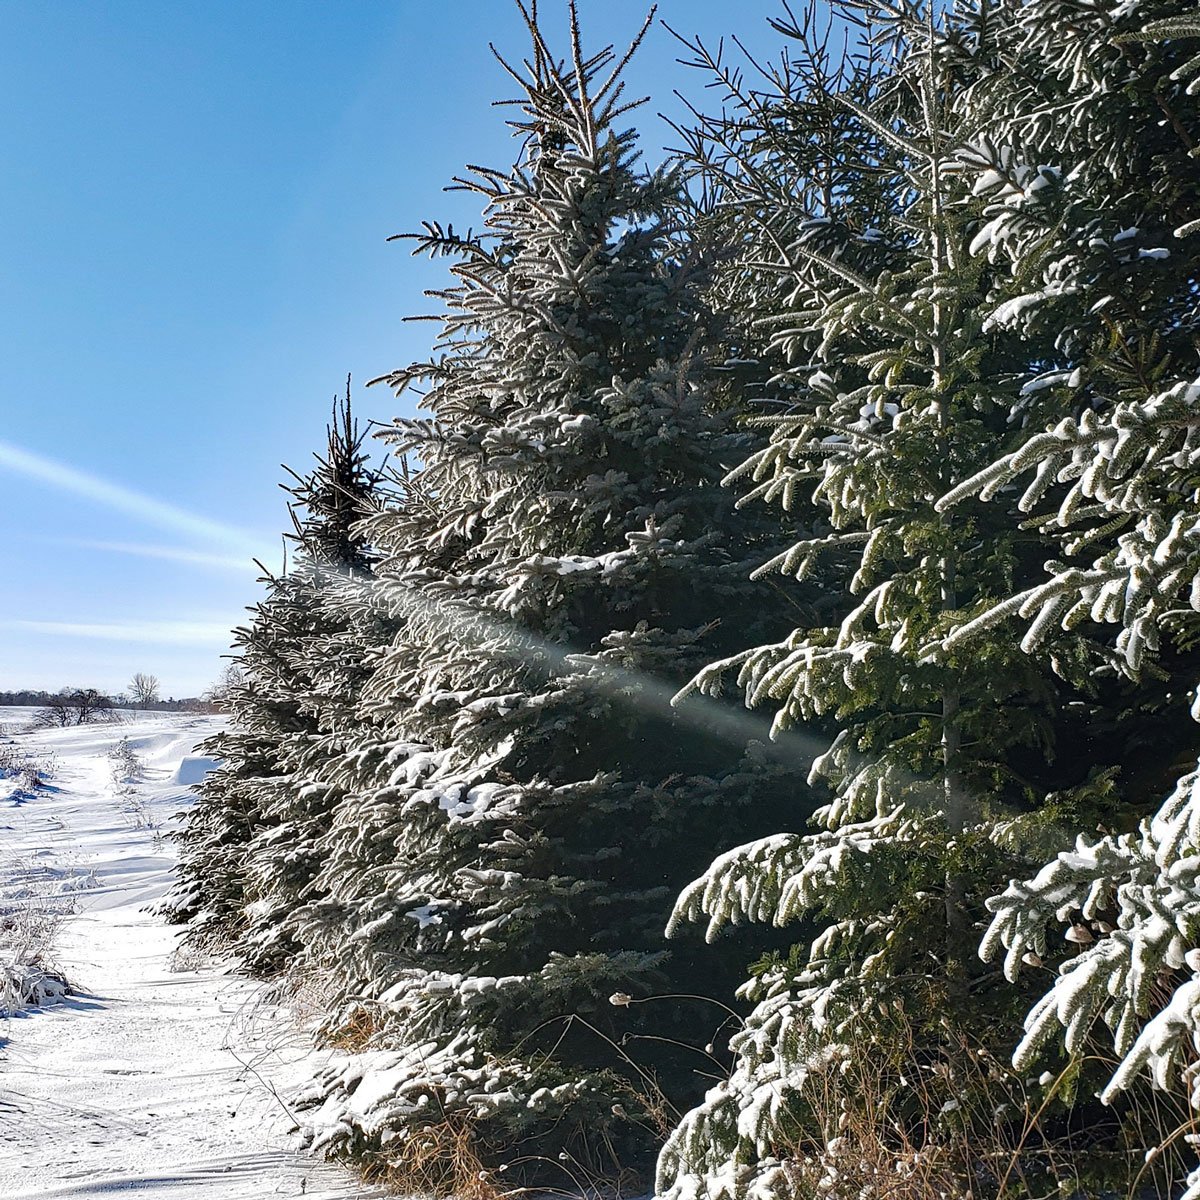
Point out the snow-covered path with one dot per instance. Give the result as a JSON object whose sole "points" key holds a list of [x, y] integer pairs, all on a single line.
{"points": [[148, 1081]]}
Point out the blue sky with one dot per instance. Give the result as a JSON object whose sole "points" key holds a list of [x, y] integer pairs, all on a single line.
{"points": [[193, 224]]}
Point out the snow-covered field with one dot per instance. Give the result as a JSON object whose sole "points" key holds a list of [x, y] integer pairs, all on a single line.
{"points": [[148, 1079]]}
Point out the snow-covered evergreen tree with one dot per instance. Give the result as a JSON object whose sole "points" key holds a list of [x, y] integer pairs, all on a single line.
{"points": [[210, 889], [888, 196], [344, 631], [1112, 478], [247, 851], [507, 857]]}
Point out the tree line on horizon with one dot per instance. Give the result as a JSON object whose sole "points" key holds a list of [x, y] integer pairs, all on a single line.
{"points": [[84, 705], [746, 739]]}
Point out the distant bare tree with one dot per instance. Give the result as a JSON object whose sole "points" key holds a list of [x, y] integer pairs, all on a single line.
{"points": [[143, 690], [90, 705], [81, 706], [55, 713], [219, 695]]}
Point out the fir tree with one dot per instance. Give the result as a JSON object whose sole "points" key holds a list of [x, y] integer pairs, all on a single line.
{"points": [[1112, 480], [506, 857], [248, 847], [878, 191]]}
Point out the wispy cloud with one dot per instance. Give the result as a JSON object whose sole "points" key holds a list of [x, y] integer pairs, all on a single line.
{"points": [[197, 558], [161, 633], [123, 499]]}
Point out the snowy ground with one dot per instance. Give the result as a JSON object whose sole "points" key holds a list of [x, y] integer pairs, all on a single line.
{"points": [[148, 1080]]}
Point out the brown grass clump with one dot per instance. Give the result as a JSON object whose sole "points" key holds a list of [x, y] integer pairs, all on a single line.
{"points": [[439, 1160], [355, 1032], [899, 1120]]}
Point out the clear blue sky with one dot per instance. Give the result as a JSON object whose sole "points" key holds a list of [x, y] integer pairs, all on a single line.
{"points": [[193, 220]]}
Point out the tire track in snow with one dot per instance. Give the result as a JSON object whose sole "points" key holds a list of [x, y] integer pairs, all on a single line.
{"points": [[146, 1082]]}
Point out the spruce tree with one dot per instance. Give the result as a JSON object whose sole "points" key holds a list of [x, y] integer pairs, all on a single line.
{"points": [[342, 633], [247, 850], [877, 188], [1112, 480], [506, 856]]}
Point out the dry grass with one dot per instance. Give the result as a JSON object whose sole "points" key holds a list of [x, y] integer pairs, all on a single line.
{"points": [[355, 1032], [438, 1160], [922, 1111], [35, 899], [896, 1121], [454, 1154], [31, 768], [31, 915]]}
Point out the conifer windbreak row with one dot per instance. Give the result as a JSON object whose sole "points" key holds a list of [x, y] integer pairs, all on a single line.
{"points": [[926, 300], [522, 802]]}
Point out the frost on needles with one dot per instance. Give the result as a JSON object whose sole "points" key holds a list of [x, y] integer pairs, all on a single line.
{"points": [[964, 284], [523, 801]]}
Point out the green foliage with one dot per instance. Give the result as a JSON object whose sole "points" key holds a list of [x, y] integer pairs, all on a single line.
{"points": [[512, 833], [876, 409], [248, 849], [927, 336]]}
